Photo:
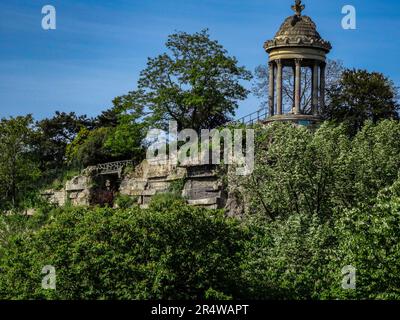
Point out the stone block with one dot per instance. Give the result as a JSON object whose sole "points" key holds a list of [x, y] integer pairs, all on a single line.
{"points": [[78, 183]]}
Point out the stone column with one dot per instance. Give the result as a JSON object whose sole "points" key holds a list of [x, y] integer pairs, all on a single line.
{"points": [[294, 86], [315, 75], [297, 93], [322, 86], [279, 87], [271, 101]]}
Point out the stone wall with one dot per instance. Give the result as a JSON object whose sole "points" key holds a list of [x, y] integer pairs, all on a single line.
{"points": [[76, 191], [201, 185], [148, 180], [57, 197]]}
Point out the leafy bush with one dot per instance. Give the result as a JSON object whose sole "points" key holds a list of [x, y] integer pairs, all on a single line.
{"points": [[320, 201], [180, 253], [125, 201], [163, 201], [64, 176], [88, 148], [19, 166], [368, 239], [285, 258], [177, 186], [301, 171]]}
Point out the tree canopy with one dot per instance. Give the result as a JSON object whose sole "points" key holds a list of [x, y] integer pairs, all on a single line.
{"points": [[298, 170], [54, 134], [361, 95], [19, 166], [197, 84]]}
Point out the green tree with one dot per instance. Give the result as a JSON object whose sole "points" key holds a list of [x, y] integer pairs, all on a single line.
{"points": [[368, 241], [19, 168], [117, 135], [361, 96], [89, 148], [126, 138], [286, 258], [108, 118], [53, 136], [299, 170], [197, 84], [322, 200]]}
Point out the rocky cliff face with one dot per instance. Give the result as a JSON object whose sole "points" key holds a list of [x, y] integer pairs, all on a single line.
{"points": [[200, 185], [77, 191]]}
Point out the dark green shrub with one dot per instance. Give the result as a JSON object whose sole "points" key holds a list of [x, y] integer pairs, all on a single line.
{"points": [[163, 201], [179, 253], [125, 201]]}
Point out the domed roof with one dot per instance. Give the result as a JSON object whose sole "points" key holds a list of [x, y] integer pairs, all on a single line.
{"points": [[298, 31], [296, 26]]}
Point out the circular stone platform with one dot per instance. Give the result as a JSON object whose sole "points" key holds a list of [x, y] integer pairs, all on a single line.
{"points": [[301, 119]]}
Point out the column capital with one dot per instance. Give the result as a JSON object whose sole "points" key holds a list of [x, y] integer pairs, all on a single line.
{"points": [[317, 63], [298, 61], [278, 62]]}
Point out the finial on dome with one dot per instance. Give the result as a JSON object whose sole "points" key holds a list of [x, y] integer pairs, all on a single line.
{"points": [[298, 7]]}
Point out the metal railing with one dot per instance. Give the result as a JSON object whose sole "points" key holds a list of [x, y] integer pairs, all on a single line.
{"points": [[113, 167], [251, 118]]}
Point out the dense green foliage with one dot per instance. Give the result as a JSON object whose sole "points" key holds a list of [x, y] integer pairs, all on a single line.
{"points": [[301, 171], [53, 136], [125, 141], [178, 253], [318, 201], [88, 147], [125, 202], [117, 135], [369, 240], [19, 166], [360, 96], [322, 201]]}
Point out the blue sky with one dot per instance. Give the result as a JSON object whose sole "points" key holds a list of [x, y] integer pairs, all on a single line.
{"points": [[99, 47]]}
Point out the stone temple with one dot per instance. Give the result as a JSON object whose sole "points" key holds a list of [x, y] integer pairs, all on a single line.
{"points": [[297, 45]]}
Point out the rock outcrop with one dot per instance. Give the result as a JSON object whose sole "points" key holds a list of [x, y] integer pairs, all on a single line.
{"points": [[200, 185], [77, 191]]}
